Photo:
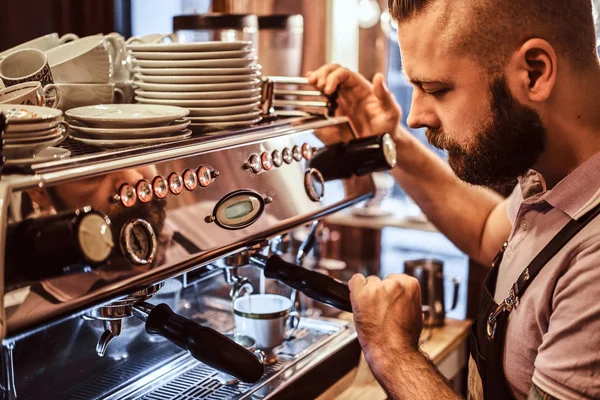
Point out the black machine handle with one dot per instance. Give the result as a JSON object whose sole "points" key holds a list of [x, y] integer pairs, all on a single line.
{"points": [[204, 344], [315, 285]]}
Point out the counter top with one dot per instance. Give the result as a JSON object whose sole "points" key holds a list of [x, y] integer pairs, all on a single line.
{"points": [[446, 348]]}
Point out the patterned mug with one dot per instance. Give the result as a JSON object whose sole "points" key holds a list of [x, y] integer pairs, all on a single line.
{"points": [[29, 93], [24, 66]]}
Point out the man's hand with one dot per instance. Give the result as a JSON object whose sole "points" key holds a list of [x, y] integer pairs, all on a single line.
{"points": [[371, 107], [388, 314], [388, 320]]}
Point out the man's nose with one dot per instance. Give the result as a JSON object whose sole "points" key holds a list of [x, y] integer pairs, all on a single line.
{"points": [[421, 113]]}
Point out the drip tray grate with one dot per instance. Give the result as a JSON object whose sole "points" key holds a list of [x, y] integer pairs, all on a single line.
{"points": [[197, 381]]}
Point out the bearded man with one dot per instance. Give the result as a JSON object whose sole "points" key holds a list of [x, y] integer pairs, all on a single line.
{"points": [[511, 89]]}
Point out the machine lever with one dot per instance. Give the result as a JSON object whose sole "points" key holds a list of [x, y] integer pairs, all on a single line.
{"points": [[315, 285], [204, 344]]}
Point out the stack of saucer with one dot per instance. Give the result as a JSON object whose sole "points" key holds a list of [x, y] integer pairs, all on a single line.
{"points": [[217, 81], [110, 126], [31, 132]]}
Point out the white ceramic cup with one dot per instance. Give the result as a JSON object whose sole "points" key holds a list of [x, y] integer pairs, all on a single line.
{"points": [[26, 93], [24, 66], [85, 60], [71, 95], [267, 318], [42, 43]]}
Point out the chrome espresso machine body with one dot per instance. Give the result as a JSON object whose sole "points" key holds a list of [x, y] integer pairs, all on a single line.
{"points": [[93, 244]]}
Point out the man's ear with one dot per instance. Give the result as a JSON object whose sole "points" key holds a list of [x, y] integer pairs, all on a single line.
{"points": [[532, 70]]}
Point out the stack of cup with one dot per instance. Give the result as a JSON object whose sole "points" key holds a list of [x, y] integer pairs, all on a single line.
{"points": [[27, 79], [83, 71]]}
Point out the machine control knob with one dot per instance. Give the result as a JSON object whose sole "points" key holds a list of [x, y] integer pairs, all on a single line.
{"points": [[267, 161], [277, 158], [254, 164], [314, 184], [204, 176], [287, 156], [297, 153]]}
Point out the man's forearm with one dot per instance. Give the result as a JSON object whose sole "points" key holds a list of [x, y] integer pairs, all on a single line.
{"points": [[458, 210], [407, 374]]}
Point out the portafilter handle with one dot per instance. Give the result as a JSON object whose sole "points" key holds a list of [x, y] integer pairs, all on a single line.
{"points": [[204, 344], [313, 284]]}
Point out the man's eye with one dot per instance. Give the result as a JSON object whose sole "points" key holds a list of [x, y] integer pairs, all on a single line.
{"points": [[438, 94]]}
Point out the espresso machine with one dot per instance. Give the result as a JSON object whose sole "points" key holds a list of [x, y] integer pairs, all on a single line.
{"points": [[90, 244]]}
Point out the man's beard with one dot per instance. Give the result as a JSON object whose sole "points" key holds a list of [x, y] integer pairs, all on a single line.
{"points": [[502, 151]]}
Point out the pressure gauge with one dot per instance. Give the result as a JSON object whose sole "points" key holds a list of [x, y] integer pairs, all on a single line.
{"points": [[138, 242]]}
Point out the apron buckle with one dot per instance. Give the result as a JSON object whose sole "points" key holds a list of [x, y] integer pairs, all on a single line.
{"points": [[506, 305]]}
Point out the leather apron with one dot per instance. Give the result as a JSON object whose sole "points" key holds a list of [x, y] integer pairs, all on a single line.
{"points": [[488, 332]]}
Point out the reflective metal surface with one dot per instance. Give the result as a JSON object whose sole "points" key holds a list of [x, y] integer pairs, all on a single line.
{"points": [[186, 239]]}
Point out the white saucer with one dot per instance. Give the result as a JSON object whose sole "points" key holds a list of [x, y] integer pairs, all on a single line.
{"points": [[17, 114], [205, 55], [220, 111], [224, 94], [225, 125], [226, 118], [118, 143], [201, 103], [218, 63], [22, 127], [193, 46], [202, 87], [197, 71], [48, 154], [126, 115], [196, 79], [130, 133]]}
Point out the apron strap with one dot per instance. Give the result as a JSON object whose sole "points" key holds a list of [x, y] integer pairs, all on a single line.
{"points": [[533, 269]]}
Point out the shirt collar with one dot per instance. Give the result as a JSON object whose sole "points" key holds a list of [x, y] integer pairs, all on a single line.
{"points": [[575, 194]]}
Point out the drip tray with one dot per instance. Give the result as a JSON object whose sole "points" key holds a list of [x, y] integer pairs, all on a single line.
{"points": [[186, 378]]}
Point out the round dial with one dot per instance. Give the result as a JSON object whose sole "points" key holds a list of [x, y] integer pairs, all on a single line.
{"points": [[160, 187], [287, 156], [267, 161], [138, 242], [297, 153], [144, 191], [314, 184], [175, 183], [389, 150], [190, 180], [307, 151], [277, 158], [95, 237], [204, 176], [127, 195]]}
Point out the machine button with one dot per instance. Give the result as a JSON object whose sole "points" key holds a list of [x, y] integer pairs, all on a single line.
{"points": [[204, 176], [314, 184], [307, 151], [254, 164], [127, 195], [277, 158], [160, 187], [190, 180], [297, 153], [144, 191], [175, 183], [287, 156], [267, 161]]}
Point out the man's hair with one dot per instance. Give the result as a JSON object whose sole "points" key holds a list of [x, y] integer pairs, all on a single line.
{"points": [[490, 30]]}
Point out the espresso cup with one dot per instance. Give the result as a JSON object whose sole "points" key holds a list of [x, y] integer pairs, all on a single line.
{"points": [[26, 93], [25, 66], [71, 95], [267, 318]]}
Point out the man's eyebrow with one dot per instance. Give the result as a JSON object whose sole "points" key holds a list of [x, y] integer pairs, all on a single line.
{"points": [[425, 80]]}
